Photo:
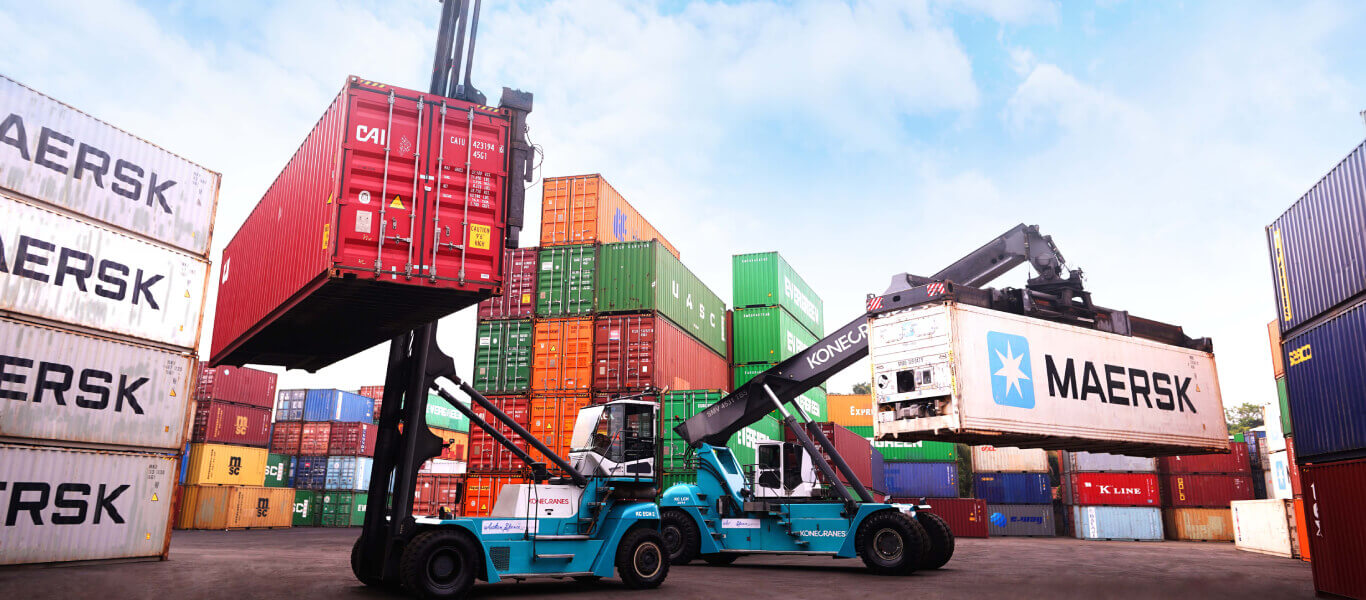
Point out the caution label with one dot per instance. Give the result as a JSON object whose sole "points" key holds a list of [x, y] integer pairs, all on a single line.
{"points": [[480, 236]]}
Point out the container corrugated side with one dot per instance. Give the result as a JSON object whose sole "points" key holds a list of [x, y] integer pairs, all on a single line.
{"points": [[1325, 375], [767, 334], [1337, 526], [337, 405], [1266, 526], [1204, 491], [84, 504], [1273, 334], [1134, 523], [306, 508], [1198, 524], [562, 355], [252, 387], [1009, 460], [1021, 520], [435, 492], [486, 455], [99, 391], [1013, 488], [566, 282], [1233, 461], [812, 401], [227, 423], [286, 436], [235, 507], [850, 410], [552, 421], [279, 470], [1100, 461], [1283, 398], [221, 464], [916, 480], [518, 300], [966, 517], [766, 279], [640, 276], [1111, 489], [482, 491], [502, 356], [675, 407], [634, 353], [585, 209], [442, 415], [1278, 473], [62, 156]]}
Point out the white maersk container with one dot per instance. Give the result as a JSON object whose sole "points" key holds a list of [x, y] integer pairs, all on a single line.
{"points": [[74, 388], [957, 372], [56, 154], [1266, 526], [65, 505], [1278, 476], [991, 459]]}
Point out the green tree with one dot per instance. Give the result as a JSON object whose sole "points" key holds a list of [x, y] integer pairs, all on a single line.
{"points": [[1243, 417], [862, 388]]}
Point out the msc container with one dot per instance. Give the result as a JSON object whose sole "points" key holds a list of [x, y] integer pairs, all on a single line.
{"points": [[1273, 334], [634, 353], [563, 355], [65, 504], [642, 276], [315, 438], [77, 272], [518, 300], [1133, 523], [221, 464], [1325, 373], [226, 423], [1048, 393], [768, 334], [1079, 462], [552, 421], [502, 356], [487, 455], [352, 439], [565, 285], [98, 391], [966, 517], [435, 492], [1009, 460], [1317, 246], [1013, 488], [850, 410], [442, 415], [1111, 489], [1210, 491], [1332, 507], [1198, 524], [1266, 526], [585, 209], [343, 509], [348, 473], [336, 405], [285, 437], [279, 470], [765, 279], [289, 405], [1233, 461], [306, 509], [482, 492], [1020, 520], [855, 449], [238, 385], [374, 223], [310, 472], [235, 507], [916, 480], [59, 155]]}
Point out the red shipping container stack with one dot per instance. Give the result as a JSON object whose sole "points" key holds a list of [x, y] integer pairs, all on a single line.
{"points": [[487, 456], [647, 352], [1336, 525], [518, 300], [376, 393], [315, 437], [249, 387], [856, 450], [1111, 489], [1235, 461], [434, 492], [481, 492], [352, 439], [285, 438], [1205, 491], [227, 423], [967, 517]]}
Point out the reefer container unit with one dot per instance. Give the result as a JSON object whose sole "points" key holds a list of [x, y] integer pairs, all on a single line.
{"points": [[1014, 380], [436, 492], [310, 472], [66, 504], [566, 283], [343, 509], [1112, 489], [487, 455], [482, 492], [221, 464], [518, 300], [1013, 488], [1139, 524], [967, 517], [563, 355], [352, 439], [372, 223], [226, 423], [1266, 526], [502, 356], [62, 156], [315, 438], [237, 385], [336, 405], [585, 209], [850, 410], [98, 391], [286, 436], [289, 405], [1021, 520], [279, 470], [765, 279], [1233, 461], [1198, 524], [918, 480], [635, 353], [855, 449], [348, 473], [1210, 491], [552, 421], [1337, 525], [1318, 245], [306, 509], [1080, 462], [235, 507], [1009, 460], [642, 276], [767, 334], [78, 272], [1325, 375]]}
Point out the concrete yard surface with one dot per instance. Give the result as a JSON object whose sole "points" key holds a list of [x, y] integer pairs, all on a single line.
{"points": [[313, 563]]}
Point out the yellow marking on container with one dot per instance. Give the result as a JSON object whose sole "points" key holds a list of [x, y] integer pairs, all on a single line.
{"points": [[480, 236], [327, 231], [1286, 313], [396, 203], [154, 497]]}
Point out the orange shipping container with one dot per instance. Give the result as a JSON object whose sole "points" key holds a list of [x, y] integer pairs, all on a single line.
{"points": [[1301, 527], [455, 443], [1198, 524], [584, 209], [563, 355], [850, 410], [552, 422], [482, 492], [235, 507], [1273, 331]]}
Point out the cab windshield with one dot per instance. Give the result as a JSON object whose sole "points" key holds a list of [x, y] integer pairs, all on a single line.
{"points": [[620, 432]]}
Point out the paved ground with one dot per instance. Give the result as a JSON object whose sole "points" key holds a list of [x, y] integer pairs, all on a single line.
{"points": [[313, 563]]}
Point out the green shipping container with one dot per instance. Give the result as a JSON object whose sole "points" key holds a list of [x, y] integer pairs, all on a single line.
{"points": [[640, 276], [768, 335], [565, 282], [744, 443], [343, 509], [813, 401], [442, 415], [672, 478], [502, 356], [277, 470], [923, 451], [1285, 405], [306, 508], [765, 279], [676, 407]]}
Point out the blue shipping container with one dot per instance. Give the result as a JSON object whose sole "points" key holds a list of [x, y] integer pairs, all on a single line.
{"points": [[184, 462], [289, 405], [348, 473], [310, 472], [336, 405], [1137, 523], [1013, 488], [1020, 520], [913, 480], [1318, 246], [1325, 377]]}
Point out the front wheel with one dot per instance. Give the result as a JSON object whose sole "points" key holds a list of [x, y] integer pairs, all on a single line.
{"points": [[941, 540], [439, 564], [891, 543], [680, 535], [641, 560]]}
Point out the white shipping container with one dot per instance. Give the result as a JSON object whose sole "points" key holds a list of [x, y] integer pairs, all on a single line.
{"points": [[1278, 476], [438, 466], [1083, 462], [991, 459], [73, 271], [65, 386], [961, 373], [64, 504], [54, 153], [1266, 526]]}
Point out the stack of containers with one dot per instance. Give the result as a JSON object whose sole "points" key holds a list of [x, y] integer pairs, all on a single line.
{"points": [[1015, 484], [1258, 456], [677, 463], [440, 479], [1282, 474], [102, 291], [376, 393], [912, 470], [1111, 497], [329, 435], [1197, 491]]}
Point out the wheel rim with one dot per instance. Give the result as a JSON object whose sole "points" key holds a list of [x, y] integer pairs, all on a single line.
{"points": [[888, 545], [673, 539], [443, 567], [647, 560]]}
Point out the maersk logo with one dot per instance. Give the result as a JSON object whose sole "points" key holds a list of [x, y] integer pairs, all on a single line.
{"points": [[1012, 381]]}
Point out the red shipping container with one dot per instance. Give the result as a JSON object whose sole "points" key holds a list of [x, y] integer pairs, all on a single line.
{"points": [[1296, 487], [518, 300], [1205, 491], [352, 439], [552, 422], [648, 352], [437, 491], [314, 439], [286, 436], [376, 222], [1112, 489], [239, 385], [1235, 461], [605, 398], [967, 517], [486, 454], [856, 450], [1336, 525], [376, 393], [482, 492], [228, 423]]}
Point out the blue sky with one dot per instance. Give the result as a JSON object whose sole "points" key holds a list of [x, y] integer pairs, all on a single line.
{"points": [[1153, 140]]}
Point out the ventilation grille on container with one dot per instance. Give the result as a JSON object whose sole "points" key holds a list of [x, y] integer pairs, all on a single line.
{"points": [[502, 557]]}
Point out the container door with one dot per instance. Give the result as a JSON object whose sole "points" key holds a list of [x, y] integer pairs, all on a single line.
{"points": [[463, 234]]}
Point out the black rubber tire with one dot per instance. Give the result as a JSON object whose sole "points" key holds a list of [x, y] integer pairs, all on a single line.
{"points": [[891, 543], [680, 534], [439, 564], [941, 540], [642, 561], [355, 567], [720, 559]]}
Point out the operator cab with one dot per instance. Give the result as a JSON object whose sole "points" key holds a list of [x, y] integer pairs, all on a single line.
{"points": [[616, 439], [784, 470]]}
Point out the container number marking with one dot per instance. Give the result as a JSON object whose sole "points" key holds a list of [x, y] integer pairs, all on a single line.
{"points": [[480, 236], [1301, 354]]}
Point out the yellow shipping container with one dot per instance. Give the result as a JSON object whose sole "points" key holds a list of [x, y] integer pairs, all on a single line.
{"points": [[235, 507], [221, 464]]}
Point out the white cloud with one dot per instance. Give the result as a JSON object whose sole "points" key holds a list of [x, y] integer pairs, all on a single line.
{"points": [[1015, 12]]}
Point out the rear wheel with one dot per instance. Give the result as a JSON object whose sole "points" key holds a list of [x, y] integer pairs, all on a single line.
{"points": [[680, 535], [891, 543], [720, 560], [439, 564], [642, 561], [941, 540]]}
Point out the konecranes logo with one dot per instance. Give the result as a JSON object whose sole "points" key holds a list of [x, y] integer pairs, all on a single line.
{"points": [[1012, 374]]}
